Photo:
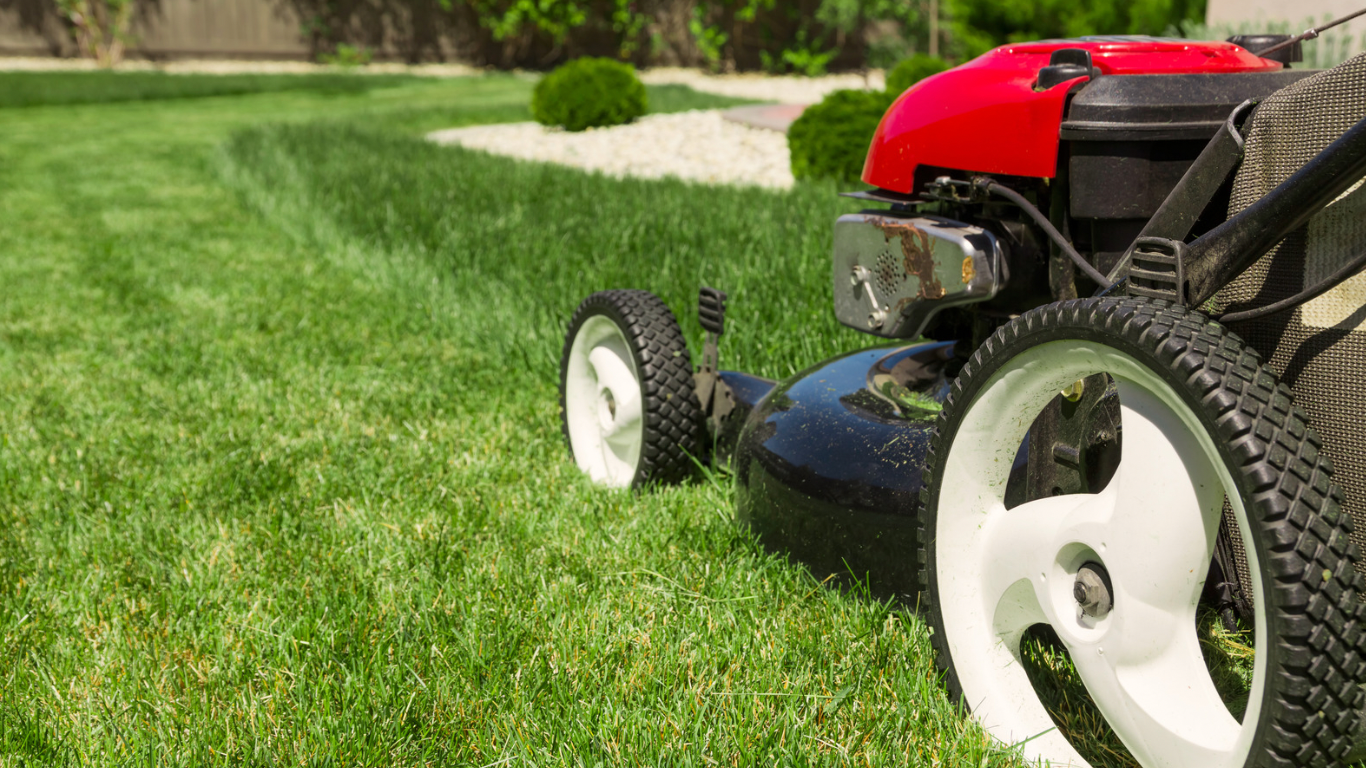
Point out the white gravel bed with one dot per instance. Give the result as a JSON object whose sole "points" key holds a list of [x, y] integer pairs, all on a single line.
{"points": [[787, 89], [697, 146]]}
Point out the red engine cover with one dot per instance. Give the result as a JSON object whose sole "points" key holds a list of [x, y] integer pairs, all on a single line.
{"points": [[986, 117]]}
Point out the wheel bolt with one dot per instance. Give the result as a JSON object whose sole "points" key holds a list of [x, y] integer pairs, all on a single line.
{"points": [[1092, 590]]}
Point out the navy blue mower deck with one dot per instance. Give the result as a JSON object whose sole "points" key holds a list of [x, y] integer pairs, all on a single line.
{"points": [[828, 465]]}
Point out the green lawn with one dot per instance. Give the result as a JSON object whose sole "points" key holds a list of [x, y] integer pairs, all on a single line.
{"points": [[28, 89], [283, 481]]}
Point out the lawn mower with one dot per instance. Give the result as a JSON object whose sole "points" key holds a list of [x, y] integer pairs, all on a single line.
{"points": [[1116, 409]]}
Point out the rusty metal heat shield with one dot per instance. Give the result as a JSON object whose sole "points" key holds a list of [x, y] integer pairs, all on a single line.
{"points": [[892, 274]]}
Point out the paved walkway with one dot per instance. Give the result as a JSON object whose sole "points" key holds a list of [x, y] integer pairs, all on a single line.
{"points": [[774, 117]]}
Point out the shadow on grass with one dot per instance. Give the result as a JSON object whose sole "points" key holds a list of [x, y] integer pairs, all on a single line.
{"points": [[1228, 656]]}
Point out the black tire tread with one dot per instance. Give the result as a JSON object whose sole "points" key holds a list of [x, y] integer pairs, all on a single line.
{"points": [[1315, 614], [674, 429]]}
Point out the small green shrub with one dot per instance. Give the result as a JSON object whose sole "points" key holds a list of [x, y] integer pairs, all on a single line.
{"points": [[830, 140], [913, 70], [589, 93], [347, 55]]}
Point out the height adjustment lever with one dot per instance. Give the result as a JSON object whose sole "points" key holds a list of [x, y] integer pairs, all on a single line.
{"points": [[711, 310], [713, 394]]}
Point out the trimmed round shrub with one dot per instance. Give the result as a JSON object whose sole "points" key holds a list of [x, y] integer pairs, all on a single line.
{"points": [[913, 70], [830, 140], [589, 93]]}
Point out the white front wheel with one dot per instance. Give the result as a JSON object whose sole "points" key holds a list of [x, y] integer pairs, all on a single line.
{"points": [[626, 391]]}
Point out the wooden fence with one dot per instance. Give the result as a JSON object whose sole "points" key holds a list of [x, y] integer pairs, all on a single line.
{"points": [[409, 30], [247, 29], [167, 29]]}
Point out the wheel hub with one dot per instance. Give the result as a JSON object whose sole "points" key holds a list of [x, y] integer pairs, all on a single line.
{"points": [[602, 400], [1092, 590], [607, 408]]}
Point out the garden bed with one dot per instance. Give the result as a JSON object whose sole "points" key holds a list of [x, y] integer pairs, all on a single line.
{"points": [[698, 145]]}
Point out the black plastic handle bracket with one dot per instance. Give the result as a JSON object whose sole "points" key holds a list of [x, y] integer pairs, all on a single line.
{"points": [[1158, 269]]}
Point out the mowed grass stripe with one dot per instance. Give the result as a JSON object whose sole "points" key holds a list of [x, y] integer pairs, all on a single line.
{"points": [[282, 480], [527, 241], [27, 89]]}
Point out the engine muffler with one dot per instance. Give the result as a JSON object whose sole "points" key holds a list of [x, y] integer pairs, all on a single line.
{"points": [[893, 273]]}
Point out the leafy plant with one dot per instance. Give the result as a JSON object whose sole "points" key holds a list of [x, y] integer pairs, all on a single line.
{"points": [[628, 24], [589, 93], [804, 37], [912, 71], [347, 55], [716, 45], [979, 25], [830, 139], [710, 40], [507, 19], [100, 27], [890, 29], [747, 10], [803, 57]]}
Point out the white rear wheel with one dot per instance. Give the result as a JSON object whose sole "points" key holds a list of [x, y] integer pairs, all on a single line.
{"points": [[1118, 573]]}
